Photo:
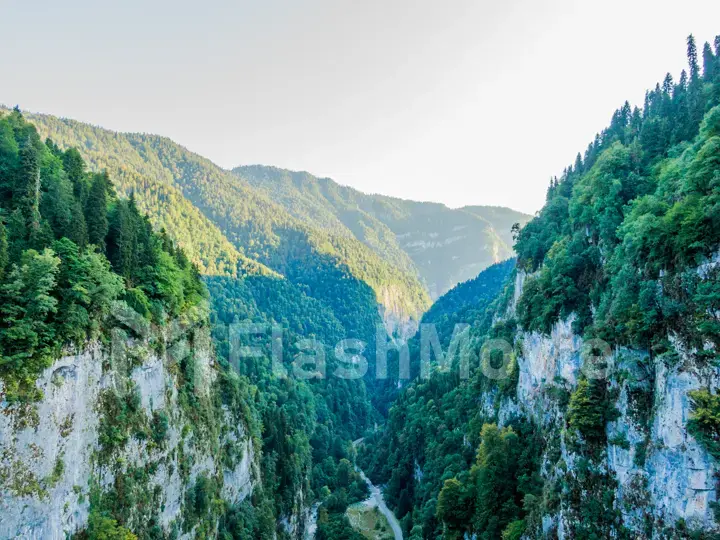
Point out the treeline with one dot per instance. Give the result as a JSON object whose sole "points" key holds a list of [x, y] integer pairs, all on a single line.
{"points": [[624, 244], [623, 229], [226, 226], [70, 247]]}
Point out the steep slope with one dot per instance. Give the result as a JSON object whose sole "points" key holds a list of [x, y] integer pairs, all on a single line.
{"points": [[123, 443], [443, 246], [224, 223], [114, 414], [157, 193], [120, 418], [591, 409], [467, 301]]}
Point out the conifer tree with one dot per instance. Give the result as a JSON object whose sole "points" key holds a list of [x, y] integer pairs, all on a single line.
{"points": [[26, 192], [96, 211], [692, 58], [708, 62], [74, 166], [682, 84], [54, 148], [667, 84], [3, 249], [77, 231]]}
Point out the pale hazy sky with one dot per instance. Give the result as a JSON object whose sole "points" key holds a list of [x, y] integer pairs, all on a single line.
{"points": [[457, 101]]}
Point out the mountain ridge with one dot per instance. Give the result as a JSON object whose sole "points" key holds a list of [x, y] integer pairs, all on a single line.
{"points": [[397, 228], [230, 223]]}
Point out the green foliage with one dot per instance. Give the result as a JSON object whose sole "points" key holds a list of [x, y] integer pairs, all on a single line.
{"points": [[307, 426], [27, 335], [122, 417], [202, 504], [96, 211], [131, 503], [454, 507], [381, 222], [622, 230], [488, 501], [101, 527], [589, 410], [249, 519], [4, 256], [58, 471], [55, 289], [434, 425], [160, 425], [335, 526], [514, 530], [704, 423], [466, 302]]}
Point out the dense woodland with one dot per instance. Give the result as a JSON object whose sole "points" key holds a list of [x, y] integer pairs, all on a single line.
{"points": [[398, 230], [621, 245], [69, 248], [228, 227], [72, 250], [434, 426]]}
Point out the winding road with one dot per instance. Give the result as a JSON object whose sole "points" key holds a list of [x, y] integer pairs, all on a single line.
{"points": [[377, 496]]}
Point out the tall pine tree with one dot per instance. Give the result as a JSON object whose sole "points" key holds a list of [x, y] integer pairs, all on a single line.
{"points": [[708, 63], [26, 192], [96, 211], [4, 257], [692, 58]]}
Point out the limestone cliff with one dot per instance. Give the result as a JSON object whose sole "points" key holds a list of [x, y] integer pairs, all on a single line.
{"points": [[115, 425], [656, 473]]}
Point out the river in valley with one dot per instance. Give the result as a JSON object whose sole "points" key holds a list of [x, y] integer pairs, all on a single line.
{"points": [[374, 500]]}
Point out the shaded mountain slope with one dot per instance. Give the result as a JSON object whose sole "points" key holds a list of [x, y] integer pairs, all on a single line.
{"points": [[225, 223], [444, 246]]}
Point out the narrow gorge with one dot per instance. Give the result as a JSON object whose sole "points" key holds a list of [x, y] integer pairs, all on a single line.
{"points": [[196, 351]]}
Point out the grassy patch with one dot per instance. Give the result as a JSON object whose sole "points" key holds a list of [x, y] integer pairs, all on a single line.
{"points": [[369, 522]]}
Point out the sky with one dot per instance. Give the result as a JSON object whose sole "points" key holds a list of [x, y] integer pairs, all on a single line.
{"points": [[454, 101]]}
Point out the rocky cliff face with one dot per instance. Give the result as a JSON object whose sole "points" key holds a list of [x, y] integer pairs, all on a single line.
{"points": [[60, 456], [657, 474], [447, 253]]}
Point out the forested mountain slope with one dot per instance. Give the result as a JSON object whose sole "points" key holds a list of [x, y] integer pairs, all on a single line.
{"points": [[591, 409], [92, 300], [120, 419], [265, 220], [466, 302], [158, 194], [444, 246], [225, 224]]}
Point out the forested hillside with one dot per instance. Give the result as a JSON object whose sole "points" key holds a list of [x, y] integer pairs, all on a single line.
{"points": [[589, 407], [603, 422], [227, 226], [467, 301], [443, 246], [78, 263], [73, 252], [69, 248]]}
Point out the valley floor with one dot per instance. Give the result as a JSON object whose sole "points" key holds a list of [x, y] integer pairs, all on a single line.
{"points": [[363, 516]]}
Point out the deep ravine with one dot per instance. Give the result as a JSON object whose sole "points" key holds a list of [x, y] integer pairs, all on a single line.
{"points": [[379, 501]]}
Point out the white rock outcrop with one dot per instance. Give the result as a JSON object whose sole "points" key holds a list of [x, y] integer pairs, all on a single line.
{"points": [[48, 450]]}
